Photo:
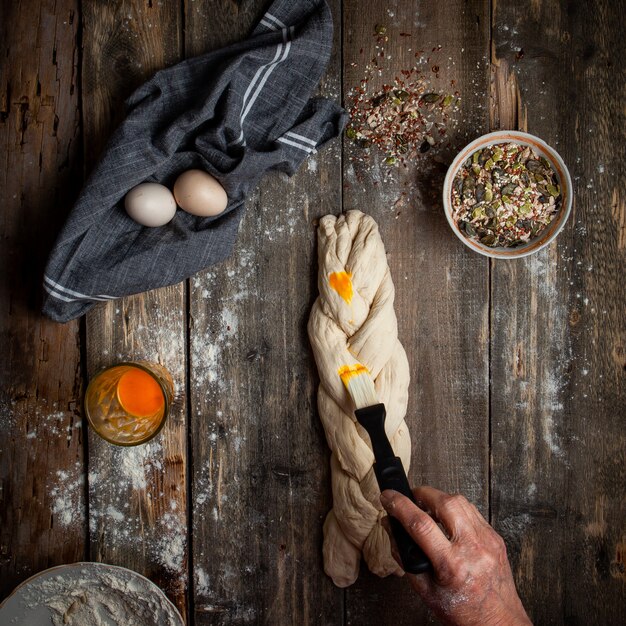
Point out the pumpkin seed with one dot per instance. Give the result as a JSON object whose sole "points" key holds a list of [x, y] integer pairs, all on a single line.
{"points": [[478, 213], [448, 100], [351, 133], [509, 189], [534, 166], [431, 98], [553, 190], [379, 99]]}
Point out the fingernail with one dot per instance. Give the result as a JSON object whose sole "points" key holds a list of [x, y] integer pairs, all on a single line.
{"points": [[386, 499]]}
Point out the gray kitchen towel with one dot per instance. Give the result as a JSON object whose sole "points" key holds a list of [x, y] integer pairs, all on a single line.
{"points": [[236, 113]]}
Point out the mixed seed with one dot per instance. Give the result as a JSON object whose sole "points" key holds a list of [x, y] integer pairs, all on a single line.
{"points": [[505, 195], [405, 118], [399, 120]]}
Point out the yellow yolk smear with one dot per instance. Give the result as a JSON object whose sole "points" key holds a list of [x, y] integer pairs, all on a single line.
{"points": [[341, 282], [139, 393], [348, 372]]}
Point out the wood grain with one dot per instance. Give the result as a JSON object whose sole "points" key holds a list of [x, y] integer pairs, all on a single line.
{"points": [[259, 465], [42, 504], [137, 496], [558, 335], [260, 478], [442, 295]]}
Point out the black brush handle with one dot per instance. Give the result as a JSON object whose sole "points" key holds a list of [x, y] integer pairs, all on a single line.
{"points": [[391, 475]]}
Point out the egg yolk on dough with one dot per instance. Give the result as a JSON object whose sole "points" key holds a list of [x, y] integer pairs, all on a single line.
{"points": [[348, 372], [341, 282], [139, 393]]}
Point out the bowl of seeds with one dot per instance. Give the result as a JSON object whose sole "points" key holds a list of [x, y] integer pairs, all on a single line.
{"points": [[507, 194]]}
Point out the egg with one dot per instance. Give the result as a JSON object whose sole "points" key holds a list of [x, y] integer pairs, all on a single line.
{"points": [[150, 204], [200, 194]]}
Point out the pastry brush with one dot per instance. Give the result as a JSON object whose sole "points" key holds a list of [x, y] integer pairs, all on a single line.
{"points": [[388, 468]]}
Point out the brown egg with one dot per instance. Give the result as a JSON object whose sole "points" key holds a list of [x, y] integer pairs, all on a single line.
{"points": [[200, 194]]}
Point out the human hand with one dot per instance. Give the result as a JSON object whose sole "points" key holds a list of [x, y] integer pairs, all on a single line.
{"points": [[472, 583]]}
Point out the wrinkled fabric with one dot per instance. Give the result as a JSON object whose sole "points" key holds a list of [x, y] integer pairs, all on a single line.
{"points": [[236, 113]]}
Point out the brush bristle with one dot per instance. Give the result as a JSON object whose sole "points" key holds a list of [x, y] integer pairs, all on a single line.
{"points": [[360, 385]]}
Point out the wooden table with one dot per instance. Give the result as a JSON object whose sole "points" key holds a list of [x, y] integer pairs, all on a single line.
{"points": [[518, 367]]}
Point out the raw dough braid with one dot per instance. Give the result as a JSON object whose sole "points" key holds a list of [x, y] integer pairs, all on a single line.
{"points": [[353, 321]]}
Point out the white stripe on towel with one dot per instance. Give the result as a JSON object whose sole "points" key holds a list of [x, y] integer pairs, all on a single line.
{"points": [[269, 25], [297, 145], [80, 296], [269, 68], [301, 138], [269, 16], [58, 296]]}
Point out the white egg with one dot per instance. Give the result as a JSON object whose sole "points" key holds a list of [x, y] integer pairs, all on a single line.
{"points": [[150, 204], [200, 194]]}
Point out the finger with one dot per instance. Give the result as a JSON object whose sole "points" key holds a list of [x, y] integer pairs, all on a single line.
{"points": [[422, 584], [453, 511], [384, 522], [421, 526]]}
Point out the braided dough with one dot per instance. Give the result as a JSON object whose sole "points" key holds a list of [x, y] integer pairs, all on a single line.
{"points": [[353, 321]]}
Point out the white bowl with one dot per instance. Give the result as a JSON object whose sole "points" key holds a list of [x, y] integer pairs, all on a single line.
{"points": [[542, 149]]}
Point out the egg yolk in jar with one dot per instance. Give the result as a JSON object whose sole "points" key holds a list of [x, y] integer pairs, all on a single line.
{"points": [[127, 404], [139, 393]]}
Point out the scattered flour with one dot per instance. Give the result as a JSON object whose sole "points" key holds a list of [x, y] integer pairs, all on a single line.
{"points": [[114, 514], [67, 495], [201, 581], [551, 383]]}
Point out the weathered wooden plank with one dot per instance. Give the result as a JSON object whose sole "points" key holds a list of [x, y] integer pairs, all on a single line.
{"points": [[42, 506], [137, 496], [260, 481], [558, 335], [441, 288]]}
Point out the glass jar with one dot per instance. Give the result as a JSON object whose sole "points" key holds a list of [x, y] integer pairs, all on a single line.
{"points": [[127, 404]]}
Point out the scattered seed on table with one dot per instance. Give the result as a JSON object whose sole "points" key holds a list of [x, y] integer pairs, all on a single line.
{"points": [[403, 119]]}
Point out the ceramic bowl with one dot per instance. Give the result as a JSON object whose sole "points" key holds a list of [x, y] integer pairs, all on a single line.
{"points": [[542, 149]]}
